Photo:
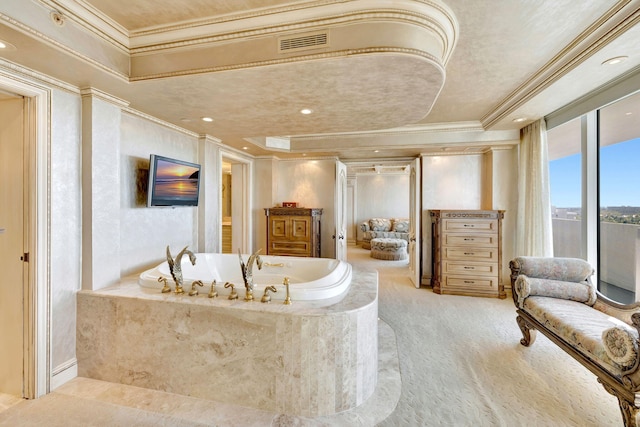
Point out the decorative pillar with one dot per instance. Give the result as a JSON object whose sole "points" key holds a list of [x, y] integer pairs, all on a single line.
{"points": [[101, 117]]}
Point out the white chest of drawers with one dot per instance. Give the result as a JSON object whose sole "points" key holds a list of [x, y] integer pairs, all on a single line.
{"points": [[467, 252]]}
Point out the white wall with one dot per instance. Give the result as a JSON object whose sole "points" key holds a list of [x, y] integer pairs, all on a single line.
{"points": [[311, 183], [66, 239], [145, 232], [381, 196], [475, 181]]}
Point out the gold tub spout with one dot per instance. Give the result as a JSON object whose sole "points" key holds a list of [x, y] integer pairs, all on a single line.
{"points": [[266, 297], [194, 290], [287, 300], [271, 264], [233, 294]]}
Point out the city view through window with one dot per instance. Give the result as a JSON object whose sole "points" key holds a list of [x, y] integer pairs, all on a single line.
{"points": [[619, 184]]}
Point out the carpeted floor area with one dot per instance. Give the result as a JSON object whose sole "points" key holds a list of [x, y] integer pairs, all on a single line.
{"points": [[460, 360]]}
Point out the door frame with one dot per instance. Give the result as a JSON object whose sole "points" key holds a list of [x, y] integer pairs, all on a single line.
{"points": [[37, 322], [340, 204], [245, 198], [415, 209]]}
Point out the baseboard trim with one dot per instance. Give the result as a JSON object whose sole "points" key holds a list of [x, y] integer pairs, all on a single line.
{"points": [[64, 373]]}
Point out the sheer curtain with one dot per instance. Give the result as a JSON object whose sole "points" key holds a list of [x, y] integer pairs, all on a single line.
{"points": [[533, 224]]}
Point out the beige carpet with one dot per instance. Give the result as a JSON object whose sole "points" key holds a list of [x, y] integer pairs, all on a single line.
{"points": [[461, 364]]}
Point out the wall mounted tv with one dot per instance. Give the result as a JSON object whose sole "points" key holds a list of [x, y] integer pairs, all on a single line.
{"points": [[172, 182]]}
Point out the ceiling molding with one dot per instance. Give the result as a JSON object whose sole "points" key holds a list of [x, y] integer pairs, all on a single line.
{"points": [[289, 60], [471, 126], [624, 15], [140, 114], [428, 15], [31, 75], [62, 47], [92, 20], [97, 93]]}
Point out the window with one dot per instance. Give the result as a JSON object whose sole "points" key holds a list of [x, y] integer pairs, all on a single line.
{"points": [[595, 194], [565, 178], [619, 199]]}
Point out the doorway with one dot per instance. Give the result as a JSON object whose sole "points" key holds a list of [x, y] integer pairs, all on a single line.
{"points": [[13, 155], [235, 206], [32, 148]]}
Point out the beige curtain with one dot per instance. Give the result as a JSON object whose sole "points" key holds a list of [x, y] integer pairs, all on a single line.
{"points": [[533, 224]]}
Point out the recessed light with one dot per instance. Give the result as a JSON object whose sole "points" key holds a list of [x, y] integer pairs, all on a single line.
{"points": [[306, 111], [5, 46], [519, 119], [245, 148], [207, 119], [376, 151], [628, 113], [616, 60]]}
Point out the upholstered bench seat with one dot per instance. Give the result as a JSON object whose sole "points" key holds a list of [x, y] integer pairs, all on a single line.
{"points": [[389, 249]]}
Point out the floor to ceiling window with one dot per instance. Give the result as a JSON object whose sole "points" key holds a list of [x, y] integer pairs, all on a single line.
{"points": [[565, 179], [619, 199], [595, 194]]}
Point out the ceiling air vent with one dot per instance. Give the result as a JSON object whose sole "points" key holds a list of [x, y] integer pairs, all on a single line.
{"points": [[303, 42]]}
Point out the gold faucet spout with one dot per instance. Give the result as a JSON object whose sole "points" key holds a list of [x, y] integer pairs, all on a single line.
{"points": [[247, 272], [175, 266]]}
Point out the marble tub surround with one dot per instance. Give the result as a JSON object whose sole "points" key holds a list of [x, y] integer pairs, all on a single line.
{"points": [[85, 401], [308, 359]]}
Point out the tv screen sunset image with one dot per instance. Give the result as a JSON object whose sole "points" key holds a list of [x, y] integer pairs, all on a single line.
{"points": [[174, 180]]}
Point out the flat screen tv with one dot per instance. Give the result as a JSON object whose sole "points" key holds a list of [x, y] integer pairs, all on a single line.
{"points": [[172, 182]]}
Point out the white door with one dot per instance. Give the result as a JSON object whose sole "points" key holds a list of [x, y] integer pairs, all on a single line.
{"points": [[340, 235], [415, 208], [12, 238]]}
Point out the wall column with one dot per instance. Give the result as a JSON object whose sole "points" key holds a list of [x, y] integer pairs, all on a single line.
{"points": [[209, 212], [101, 117]]}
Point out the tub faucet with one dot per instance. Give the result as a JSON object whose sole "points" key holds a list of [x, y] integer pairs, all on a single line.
{"points": [[175, 265], [247, 272]]}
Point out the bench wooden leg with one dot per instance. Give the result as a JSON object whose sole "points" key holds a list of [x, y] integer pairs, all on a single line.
{"points": [[628, 409], [629, 413], [528, 332]]}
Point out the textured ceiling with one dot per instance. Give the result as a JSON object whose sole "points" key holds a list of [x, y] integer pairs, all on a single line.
{"points": [[402, 78]]}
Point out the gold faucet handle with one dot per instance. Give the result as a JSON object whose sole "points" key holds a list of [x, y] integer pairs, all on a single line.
{"points": [[266, 297], [166, 287], [233, 294], [287, 300], [194, 290], [213, 293]]}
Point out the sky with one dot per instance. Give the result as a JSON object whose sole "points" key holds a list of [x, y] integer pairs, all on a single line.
{"points": [[619, 177]]}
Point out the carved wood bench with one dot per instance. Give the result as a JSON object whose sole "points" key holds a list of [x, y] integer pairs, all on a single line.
{"points": [[556, 297]]}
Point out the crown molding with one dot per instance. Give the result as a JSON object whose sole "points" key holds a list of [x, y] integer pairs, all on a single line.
{"points": [[97, 93], [429, 15], [60, 46], [92, 20], [303, 58], [140, 114], [470, 126], [618, 19], [24, 74]]}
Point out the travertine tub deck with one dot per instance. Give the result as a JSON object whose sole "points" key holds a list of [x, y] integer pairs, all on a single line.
{"points": [[308, 359]]}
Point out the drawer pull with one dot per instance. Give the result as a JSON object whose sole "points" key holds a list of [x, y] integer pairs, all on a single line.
{"points": [[469, 268], [469, 253], [469, 225], [469, 282], [468, 240]]}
